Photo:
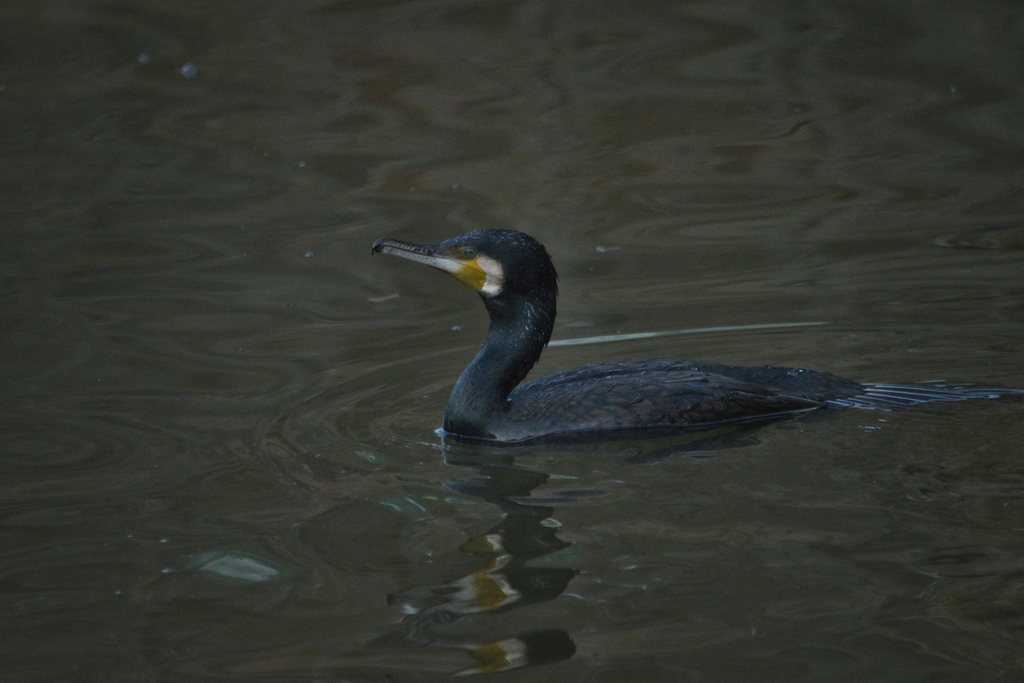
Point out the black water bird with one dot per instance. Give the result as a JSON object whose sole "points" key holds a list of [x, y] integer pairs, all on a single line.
{"points": [[516, 279]]}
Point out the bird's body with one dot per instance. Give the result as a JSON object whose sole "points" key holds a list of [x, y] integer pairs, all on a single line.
{"points": [[518, 284], [640, 394]]}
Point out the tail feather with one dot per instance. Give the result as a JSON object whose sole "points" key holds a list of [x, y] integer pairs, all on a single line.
{"points": [[885, 396]]}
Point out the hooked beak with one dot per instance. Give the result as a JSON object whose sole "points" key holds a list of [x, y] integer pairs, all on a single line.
{"points": [[465, 270]]}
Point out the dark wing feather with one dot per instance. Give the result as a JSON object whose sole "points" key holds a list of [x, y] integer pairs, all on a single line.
{"points": [[680, 394], [637, 395]]}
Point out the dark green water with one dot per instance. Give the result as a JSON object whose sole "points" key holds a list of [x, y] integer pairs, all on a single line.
{"points": [[217, 456]]}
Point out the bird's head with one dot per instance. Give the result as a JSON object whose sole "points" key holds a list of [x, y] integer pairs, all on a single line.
{"points": [[496, 263]]}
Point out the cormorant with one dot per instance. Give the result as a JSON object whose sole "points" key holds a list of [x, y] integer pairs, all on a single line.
{"points": [[516, 279]]}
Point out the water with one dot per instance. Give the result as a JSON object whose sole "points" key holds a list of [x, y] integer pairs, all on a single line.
{"points": [[217, 454]]}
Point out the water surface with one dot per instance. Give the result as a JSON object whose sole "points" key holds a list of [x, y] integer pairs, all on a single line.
{"points": [[218, 453]]}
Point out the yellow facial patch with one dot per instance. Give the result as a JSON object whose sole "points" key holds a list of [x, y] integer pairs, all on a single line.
{"points": [[481, 272], [468, 272]]}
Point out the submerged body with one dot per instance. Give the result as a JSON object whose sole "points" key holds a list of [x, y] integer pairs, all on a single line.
{"points": [[518, 284]]}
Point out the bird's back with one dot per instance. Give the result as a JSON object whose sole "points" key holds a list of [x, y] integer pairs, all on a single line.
{"points": [[644, 394]]}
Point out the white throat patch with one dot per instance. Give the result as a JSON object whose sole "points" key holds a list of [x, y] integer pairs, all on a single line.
{"points": [[495, 275]]}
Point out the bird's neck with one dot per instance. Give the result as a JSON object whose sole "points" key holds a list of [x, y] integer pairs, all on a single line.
{"points": [[519, 331]]}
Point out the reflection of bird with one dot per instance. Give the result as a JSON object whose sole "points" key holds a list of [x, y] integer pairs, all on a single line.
{"points": [[529, 649], [506, 582], [518, 284]]}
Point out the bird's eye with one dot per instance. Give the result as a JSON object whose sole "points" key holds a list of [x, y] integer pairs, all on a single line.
{"points": [[469, 252]]}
